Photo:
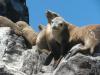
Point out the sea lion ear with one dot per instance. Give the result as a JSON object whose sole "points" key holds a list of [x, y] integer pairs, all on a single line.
{"points": [[51, 15]]}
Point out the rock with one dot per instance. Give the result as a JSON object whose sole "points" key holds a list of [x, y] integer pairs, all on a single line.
{"points": [[79, 65], [30, 62], [16, 59]]}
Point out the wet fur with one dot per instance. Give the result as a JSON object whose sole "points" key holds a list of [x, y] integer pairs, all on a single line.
{"points": [[5, 22], [47, 40], [88, 36], [48, 43], [27, 32], [71, 35], [60, 42]]}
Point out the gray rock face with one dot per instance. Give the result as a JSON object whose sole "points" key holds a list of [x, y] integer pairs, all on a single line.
{"points": [[16, 59], [79, 65]]}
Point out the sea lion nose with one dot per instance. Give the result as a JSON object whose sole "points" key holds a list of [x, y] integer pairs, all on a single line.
{"points": [[54, 27]]}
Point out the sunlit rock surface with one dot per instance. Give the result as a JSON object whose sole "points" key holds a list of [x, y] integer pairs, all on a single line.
{"points": [[79, 65], [16, 59]]}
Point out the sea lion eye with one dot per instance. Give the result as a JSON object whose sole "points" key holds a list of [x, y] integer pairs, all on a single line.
{"points": [[61, 24]]}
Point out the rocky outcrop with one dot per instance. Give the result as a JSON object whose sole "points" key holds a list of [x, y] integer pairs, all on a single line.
{"points": [[79, 65], [16, 59]]}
